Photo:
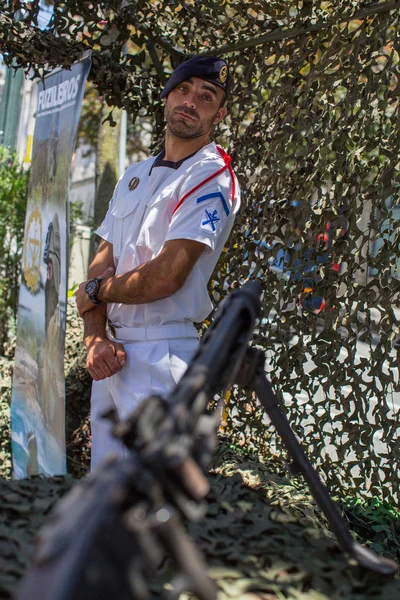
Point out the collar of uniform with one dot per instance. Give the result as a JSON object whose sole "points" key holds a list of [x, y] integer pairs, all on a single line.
{"points": [[160, 162]]}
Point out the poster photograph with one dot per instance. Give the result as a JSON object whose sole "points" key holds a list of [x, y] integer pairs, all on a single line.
{"points": [[38, 394]]}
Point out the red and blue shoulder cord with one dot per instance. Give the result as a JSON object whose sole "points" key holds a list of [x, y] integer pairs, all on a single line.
{"points": [[227, 165]]}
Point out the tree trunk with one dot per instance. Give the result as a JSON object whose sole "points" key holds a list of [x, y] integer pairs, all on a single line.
{"points": [[107, 164]]}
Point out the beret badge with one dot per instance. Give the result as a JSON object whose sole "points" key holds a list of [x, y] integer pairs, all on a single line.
{"points": [[223, 74]]}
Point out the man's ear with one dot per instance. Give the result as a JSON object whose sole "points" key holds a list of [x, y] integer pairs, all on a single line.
{"points": [[220, 114]]}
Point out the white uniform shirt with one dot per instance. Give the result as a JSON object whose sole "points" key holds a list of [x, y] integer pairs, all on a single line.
{"points": [[139, 222]]}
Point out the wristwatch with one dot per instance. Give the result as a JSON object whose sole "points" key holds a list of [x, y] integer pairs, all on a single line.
{"points": [[92, 288]]}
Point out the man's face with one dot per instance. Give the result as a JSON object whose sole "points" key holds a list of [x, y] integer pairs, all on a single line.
{"points": [[193, 107]]}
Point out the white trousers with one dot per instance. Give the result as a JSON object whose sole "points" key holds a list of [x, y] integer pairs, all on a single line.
{"points": [[152, 367]]}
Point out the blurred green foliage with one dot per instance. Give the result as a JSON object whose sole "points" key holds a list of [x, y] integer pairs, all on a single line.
{"points": [[13, 198]]}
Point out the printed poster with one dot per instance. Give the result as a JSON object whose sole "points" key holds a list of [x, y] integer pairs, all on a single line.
{"points": [[38, 394]]}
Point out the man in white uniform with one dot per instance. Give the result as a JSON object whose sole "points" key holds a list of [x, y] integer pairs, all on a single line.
{"points": [[167, 224]]}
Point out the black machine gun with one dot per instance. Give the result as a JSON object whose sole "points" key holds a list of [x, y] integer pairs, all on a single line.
{"points": [[108, 536]]}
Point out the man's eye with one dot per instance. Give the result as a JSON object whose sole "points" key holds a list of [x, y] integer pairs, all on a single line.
{"points": [[207, 98]]}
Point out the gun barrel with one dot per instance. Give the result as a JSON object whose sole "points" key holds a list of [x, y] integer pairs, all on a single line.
{"points": [[224, 344]]}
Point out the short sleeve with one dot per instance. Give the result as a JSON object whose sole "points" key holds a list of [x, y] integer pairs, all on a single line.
{"points": [[105, 230], [205, 213]]}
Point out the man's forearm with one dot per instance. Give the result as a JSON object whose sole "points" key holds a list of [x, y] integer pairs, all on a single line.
{"points": [[95, 325], [159, 278], [142, 285], [95, 320], [156, 279]]}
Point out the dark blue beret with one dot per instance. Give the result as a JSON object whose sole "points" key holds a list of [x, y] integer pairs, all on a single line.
{"points": [[209, 68]]}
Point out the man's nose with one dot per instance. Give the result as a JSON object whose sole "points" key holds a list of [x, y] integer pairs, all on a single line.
{"points": [[190, 100]]}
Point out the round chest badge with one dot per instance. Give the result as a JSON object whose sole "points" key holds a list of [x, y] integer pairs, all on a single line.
{"points": [[223, 74], [134, 182]]}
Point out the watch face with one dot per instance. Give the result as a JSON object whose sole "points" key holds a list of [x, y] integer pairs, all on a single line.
{"points": [[92, 288]]}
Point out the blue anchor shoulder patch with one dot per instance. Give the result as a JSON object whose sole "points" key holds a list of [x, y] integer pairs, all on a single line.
{"points": [[211, 217], [210, 220]]}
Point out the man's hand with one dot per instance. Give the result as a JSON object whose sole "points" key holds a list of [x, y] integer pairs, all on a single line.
{"points": [[104, 358], [82, 301]]}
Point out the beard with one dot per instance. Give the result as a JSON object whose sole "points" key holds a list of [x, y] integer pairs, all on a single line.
{"points": [[184, 128]]}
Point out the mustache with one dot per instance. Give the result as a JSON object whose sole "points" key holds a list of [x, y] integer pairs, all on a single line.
{"points": [[186, 109]]}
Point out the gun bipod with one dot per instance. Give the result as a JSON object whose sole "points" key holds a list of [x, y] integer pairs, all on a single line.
{"points": [[252, 375]]}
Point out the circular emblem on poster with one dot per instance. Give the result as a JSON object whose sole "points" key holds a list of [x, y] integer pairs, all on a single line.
{"points": [[134, 182], [33, 250], [223, 74]]}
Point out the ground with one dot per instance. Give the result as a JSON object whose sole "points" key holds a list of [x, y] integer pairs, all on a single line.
{"points": [[263, 536]]}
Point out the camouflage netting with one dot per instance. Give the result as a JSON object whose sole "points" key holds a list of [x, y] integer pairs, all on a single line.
{"points": [[263, 537], [313, 132]]}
